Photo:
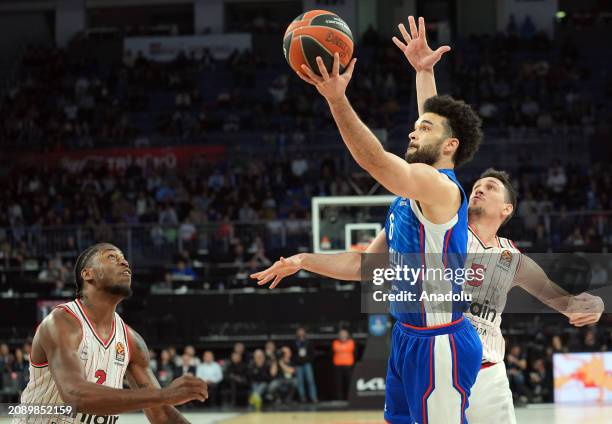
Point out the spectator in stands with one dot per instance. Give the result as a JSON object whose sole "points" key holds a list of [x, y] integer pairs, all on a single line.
{"points": [[190, 350], [182, 271], [282, 388], [270, 351], [260, 375], [516, 366], [589, 342], [240, 349], [168, 216], [188, 236], [5, 357], [556, 346], [185, 367], [27, 349], [259, 259], [211, 372], [165, 368], [303, 365], [344, 359], [236, 376], [557, 179], [540, 382], [153, 361], [21, 368]]}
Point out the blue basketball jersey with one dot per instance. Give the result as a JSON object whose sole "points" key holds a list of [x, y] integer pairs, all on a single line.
{"points": [[419, 244]]}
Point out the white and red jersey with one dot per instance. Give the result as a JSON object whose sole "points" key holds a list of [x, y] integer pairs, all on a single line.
{"points": [[104, 362], [498, 265]]}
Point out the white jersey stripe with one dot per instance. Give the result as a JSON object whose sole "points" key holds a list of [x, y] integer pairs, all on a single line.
{"points": [[489, 295]]}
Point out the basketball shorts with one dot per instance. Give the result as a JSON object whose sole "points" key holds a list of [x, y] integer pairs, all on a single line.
{"points": [[491, 398], [431, 372]]}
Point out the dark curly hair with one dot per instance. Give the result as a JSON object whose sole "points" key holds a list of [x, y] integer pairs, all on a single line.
{"points": [[83, 261], [463, 124], [505, 179]]}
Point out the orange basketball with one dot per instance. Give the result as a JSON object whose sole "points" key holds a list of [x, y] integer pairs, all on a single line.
{"points": [[317, 33]]}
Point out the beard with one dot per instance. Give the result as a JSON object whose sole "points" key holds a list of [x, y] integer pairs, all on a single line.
{"points": [[476, 211], [118, 290], [425, 154]]}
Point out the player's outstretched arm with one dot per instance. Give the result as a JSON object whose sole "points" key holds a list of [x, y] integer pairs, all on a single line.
{"points": [[583, 309], [140, 376], [415, 181], [340, 266], [421, 57], [60, 336]]}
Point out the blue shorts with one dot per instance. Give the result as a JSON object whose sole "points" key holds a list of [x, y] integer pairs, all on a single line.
{"points": [[431, 372]]}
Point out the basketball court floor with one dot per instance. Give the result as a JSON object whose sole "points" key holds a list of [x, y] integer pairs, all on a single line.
{"points": [[535, 414]]}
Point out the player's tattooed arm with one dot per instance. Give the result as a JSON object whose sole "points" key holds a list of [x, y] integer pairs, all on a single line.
{"points": [[421, 57], [140, 376]]}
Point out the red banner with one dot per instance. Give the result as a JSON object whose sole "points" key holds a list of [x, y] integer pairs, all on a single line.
{"points": [[117, 159]]}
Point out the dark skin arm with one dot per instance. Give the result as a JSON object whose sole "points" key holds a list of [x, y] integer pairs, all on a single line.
{"points": [[140, 376], [57, 341]]}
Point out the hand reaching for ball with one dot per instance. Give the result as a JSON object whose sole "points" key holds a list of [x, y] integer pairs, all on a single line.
{"points": [[331, 86]]}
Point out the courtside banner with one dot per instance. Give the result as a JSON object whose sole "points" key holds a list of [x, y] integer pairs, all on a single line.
{"points": [[119, 159], [484, 284]]}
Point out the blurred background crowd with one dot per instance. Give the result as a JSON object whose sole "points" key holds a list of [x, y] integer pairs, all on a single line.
{"points": [[202, 225]]}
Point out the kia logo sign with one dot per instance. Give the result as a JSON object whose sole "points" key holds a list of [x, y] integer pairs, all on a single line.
{"points": [[373, 384]]}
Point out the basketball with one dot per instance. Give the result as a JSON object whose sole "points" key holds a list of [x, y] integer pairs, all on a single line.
{"points": [[317, 33]]}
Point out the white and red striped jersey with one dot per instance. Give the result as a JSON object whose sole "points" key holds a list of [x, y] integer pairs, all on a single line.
{"points": [[104, 362], [498, 265]]}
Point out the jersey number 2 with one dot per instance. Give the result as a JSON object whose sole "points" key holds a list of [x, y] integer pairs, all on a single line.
{"points": [[101, 376]]}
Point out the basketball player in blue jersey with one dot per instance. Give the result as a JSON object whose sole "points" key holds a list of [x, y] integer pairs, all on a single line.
{"points": [[491, 205], [435, 355]]}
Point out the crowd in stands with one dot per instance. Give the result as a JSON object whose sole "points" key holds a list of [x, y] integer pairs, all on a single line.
{"points": [[529, 365], [517, 82], [203, 204], [518, 79], [271, 374], [283, 374]]}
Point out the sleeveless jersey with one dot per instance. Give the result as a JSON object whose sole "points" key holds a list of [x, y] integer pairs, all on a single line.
{"points": [[494, 270], [417, 243], [104, 362]]}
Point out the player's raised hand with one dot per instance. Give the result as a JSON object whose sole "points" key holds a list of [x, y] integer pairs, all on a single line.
{"points": [[185, 389], [584, 309], [331, 86], [415, 47], [279, 270]]}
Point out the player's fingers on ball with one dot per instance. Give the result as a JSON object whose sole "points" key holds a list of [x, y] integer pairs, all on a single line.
{"points": [[414, 33], [304, 78], [309, 73], [404, 33], [351, 67], [336, 65], [322, 68]]}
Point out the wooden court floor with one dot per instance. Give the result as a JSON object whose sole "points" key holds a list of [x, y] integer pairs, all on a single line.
{"points": [[349, 417]]}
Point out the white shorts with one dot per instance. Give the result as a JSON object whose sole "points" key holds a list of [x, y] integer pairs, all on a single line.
{"points": [[491, 398]]}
